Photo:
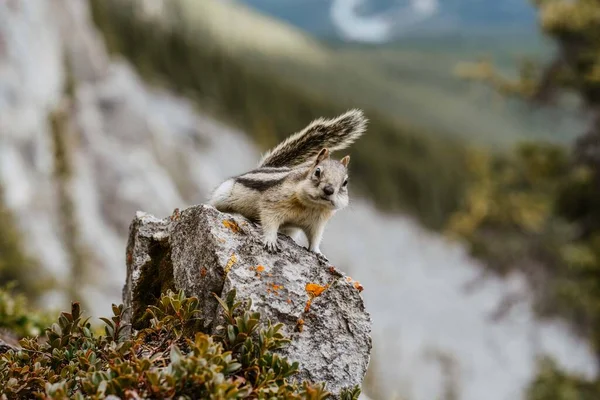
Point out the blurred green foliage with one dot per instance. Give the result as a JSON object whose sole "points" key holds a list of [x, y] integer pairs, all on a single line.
{"points": [[552, 383], [16, 265], [60, 128], [399, 167], [536, 211], [169, 359], [511, 198], [17, 318]]}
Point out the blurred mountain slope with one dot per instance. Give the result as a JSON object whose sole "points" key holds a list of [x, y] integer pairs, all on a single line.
{"points": [[419, 76], [232, 62], [404, 80], [335, 18], [241, 30]]}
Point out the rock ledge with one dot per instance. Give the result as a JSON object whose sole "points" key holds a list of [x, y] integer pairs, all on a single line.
{"points": [[203, 251]]}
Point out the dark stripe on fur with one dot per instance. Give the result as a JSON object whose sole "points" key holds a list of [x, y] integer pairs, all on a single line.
{"points": [[269, 169], [264, 170], [260, 185]]}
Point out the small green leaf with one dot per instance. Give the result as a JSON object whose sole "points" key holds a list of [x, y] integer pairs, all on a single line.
{"points": [[176, 355]]}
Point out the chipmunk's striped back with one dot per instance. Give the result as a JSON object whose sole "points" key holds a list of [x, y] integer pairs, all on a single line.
{"points": [[263, 178]]}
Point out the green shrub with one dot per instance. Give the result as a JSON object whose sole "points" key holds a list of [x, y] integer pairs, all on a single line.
{"points": [[171, 358], [536, 211]]}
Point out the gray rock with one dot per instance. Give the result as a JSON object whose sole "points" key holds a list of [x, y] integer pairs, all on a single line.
{"points": [[203, 251], [8, 341], [4, 347]]}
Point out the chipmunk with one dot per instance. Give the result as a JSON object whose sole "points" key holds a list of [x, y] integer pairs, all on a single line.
{"points": [[297, 186]]}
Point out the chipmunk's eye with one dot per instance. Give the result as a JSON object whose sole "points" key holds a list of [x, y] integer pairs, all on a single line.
{"points": [[345, 183], [318, 172]]}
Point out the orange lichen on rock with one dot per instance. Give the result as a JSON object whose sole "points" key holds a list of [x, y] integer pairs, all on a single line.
{"points": [[300, 325], [259, 269], [354, 283], [307, 306], [203, 272], [232, 260], [230, 224], [275, 288], [314, 289], [176, 215], [358, 286]]}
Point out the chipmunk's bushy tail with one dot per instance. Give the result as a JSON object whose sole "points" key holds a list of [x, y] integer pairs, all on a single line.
{"points": [[333, 134]]}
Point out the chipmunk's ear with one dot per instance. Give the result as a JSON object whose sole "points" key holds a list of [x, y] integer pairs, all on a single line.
{"points": [[345, 161], [323, 155]]}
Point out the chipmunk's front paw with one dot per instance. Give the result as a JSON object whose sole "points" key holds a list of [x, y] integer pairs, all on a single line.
{"points": [[320, 255], [272, 247]]}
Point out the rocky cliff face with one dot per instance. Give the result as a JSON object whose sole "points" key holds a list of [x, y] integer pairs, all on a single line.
{"points": [[439, 324], [125, 146], [205, 252]]}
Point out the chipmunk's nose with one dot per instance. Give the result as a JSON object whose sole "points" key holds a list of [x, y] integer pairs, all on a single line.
{"points": [[328, 190]]}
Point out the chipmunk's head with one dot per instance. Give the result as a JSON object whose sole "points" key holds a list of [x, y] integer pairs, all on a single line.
{"points": [[326, 183]]}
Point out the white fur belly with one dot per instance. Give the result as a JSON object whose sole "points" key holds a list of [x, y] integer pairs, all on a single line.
{"points": [[231, 197], [222, 194], [305, 219]]}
